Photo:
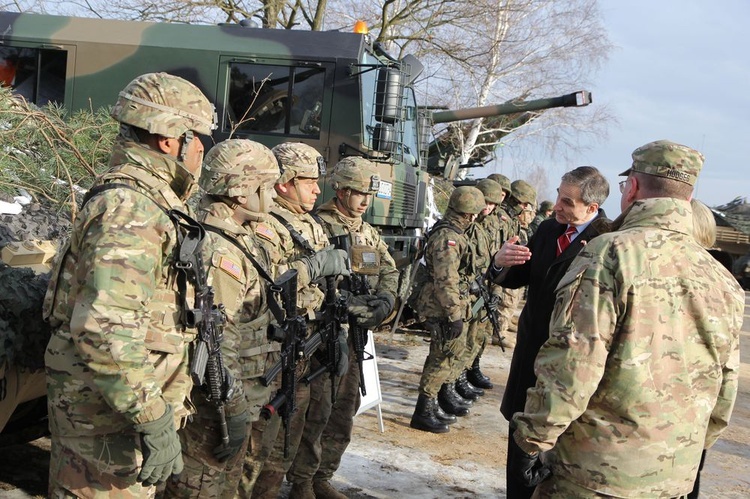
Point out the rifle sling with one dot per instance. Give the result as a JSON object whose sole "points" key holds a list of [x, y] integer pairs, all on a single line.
{"points": [[266, 348], [261, 271], [298, 238]]}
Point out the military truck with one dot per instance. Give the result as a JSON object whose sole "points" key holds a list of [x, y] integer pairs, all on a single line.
{"points": [[336, 91]]}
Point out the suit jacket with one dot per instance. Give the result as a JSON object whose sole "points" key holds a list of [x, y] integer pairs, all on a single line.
{"points": [[541, 273]]}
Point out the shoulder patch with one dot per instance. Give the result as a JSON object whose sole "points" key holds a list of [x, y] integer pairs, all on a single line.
{"points": [[451, 242], [230, 267], [265, 232]]}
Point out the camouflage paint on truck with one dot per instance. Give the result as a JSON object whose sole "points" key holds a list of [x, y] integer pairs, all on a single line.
{"points": [[335, 91], [268, 85]]}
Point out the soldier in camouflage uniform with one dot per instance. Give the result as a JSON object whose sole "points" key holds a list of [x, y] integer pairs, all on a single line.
{"points": [[237, 178], [294, 239], [117, 363], [445, 302], [484, 242], [543, 213], [518, 204], [328, 430], [641, 369], [507, 227]]}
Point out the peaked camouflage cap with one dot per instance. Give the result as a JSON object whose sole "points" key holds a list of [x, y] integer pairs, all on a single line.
{"points": [[237, 167], [502, 180], [668, 159], [166, 105], [467, 199], [298, 160], [493, 192], [523, 192], [354, 172]]}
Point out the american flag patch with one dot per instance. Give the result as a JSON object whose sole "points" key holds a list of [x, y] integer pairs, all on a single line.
{"points": [[230, 267], [451, 243], [265, 232]]}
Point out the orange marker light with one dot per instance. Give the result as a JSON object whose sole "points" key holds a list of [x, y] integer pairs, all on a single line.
{"points": [[361, 28]]}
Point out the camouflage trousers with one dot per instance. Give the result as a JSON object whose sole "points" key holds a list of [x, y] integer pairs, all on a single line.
{"points": [[477, 335], [203, 475], [18, 385], [99, 466], [443, 359], [556, 486], [318, 458], [506, 310]]}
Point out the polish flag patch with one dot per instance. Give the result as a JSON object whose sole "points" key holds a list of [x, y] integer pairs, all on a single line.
{"points": [[230, 267], [451, 242]]}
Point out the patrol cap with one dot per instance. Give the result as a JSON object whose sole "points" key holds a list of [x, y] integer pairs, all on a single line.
{"points": [[493, 192], [664, 158], [467, 199], [298, 160], [354, 172]]}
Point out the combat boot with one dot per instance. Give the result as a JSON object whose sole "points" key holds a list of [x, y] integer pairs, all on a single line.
{"points": [[302, 490], [477, 378], [443, 416], [324, 490], [466, 389], [450, 403], [451, 389], [424, 417]]}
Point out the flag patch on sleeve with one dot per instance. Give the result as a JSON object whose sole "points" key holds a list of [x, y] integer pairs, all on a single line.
{"points": [[230, 267], [265, 232], [451, 242]]}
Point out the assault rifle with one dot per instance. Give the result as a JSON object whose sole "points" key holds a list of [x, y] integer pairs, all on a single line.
{"points": [[207, 365], [291, 333], [357, 285], [480, 288], [334, 316]]}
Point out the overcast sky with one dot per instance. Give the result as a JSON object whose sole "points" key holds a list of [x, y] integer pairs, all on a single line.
{"points": [[681, 71]]}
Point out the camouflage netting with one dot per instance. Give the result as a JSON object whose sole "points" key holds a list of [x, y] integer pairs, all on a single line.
{"points": [[23, 333], [734, 214], [36, 221]]}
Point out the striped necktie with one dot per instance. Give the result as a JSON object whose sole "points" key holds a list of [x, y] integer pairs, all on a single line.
{"points": [[564, 240]]}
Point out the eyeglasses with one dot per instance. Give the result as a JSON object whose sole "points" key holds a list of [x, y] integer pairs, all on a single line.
{"points": [[622, 185]]}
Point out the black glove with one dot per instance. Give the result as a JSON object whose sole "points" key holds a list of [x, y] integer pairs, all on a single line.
{"points": [[237, 428], [343, 364], [494, 303], [378, 308], [326, 262], [455, 329], [160, 445], [526, 468]]}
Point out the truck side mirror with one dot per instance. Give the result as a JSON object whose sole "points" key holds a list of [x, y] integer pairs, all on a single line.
{"points": [[412, 67]]}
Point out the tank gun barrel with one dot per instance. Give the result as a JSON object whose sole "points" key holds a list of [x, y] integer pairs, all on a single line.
{"points": [[575, 99]]}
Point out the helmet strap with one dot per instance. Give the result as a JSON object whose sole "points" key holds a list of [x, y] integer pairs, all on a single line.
{"points": [[184, 144]]}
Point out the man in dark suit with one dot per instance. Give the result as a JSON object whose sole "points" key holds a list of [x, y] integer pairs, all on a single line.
{"points": [[541, 265]]}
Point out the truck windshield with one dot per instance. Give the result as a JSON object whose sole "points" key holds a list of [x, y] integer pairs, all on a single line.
{"points": [[275, 99]]}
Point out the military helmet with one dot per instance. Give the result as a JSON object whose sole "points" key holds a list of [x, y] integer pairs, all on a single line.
{"points": [[546, 206], [523, 192], [164, 104], [502, 180], [354, 172], [237, 167], [298, 160], [467, 199], [493, 192]]}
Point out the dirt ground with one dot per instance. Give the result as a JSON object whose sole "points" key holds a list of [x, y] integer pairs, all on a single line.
{"points": [[467, 462]]}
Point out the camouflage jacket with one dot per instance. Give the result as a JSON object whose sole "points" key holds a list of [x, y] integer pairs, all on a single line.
{"points": [[640, 371], [310, 297], [445, 293], [119, 352], [336, 223], [238, 286], [509, 224]]}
